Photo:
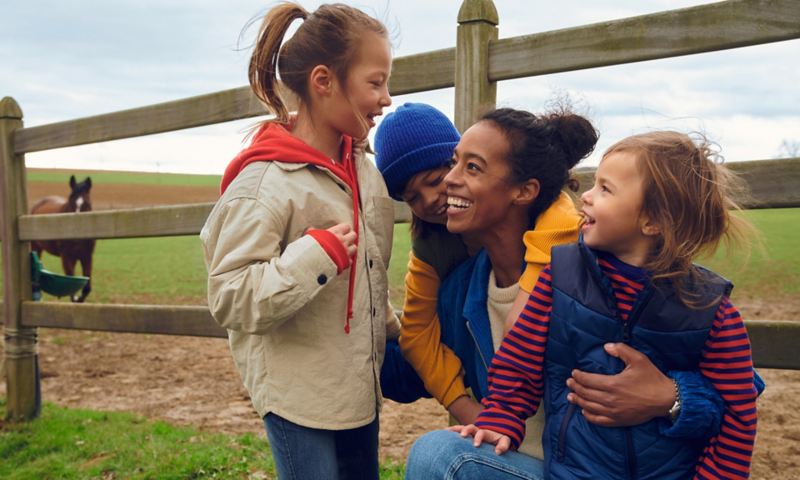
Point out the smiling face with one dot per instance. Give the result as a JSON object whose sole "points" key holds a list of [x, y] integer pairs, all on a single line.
{"points": [[612, 210], [479, 193], [426, 195], [355, 105]]}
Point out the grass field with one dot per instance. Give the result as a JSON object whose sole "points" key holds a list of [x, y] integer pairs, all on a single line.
{"points": [[72, 444], [136, 178]]}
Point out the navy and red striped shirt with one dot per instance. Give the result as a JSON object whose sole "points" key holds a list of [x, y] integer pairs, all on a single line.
{"points": [[516, 382]]}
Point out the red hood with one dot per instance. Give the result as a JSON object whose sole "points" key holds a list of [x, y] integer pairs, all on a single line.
{"points": [[273, 142]]}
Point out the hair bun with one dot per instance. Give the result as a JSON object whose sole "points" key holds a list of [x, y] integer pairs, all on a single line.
{"points": [[576, 136]]}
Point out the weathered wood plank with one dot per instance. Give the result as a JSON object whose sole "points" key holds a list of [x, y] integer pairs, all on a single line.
{"points": [[705, 28], [126, 223], [156, 319], [414, 73], [477, 27], [423, 72], [21, 374], [163, 117], [772, 183], [132, 223], [775, 343]]}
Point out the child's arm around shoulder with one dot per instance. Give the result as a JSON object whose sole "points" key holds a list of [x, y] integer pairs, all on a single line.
{"points": [[420, 335], [254, 284]]}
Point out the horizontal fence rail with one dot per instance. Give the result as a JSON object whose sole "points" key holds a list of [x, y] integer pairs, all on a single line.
{"points": [[161, 221], [156, 319], [774, 184], [705, 28], [774, 342]]}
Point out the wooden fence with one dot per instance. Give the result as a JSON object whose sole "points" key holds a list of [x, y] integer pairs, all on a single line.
{"points": [[473, 67]]}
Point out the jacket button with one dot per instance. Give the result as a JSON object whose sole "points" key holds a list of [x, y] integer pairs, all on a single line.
{"points": [[370, 263], [322, 279], [374, 312]]}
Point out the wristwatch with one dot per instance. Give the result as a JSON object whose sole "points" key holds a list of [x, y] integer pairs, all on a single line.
{"points": [[675, 411]]}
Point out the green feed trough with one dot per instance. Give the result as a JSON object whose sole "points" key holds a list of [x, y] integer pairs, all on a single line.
{"points": [[54, 283]]}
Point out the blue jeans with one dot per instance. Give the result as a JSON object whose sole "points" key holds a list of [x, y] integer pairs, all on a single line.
{"points": [[442, 454], [302, 453]]}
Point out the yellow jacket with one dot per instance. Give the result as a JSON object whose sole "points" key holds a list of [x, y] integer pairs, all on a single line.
{"points": [[420, 334]]}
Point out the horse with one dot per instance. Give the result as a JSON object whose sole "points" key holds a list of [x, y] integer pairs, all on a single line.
{"points": [[70, 251]]}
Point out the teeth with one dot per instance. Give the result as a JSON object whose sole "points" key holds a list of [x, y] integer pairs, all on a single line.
{"points": [[458, 202]]}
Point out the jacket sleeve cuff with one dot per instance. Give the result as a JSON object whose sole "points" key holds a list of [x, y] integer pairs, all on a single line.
{"points": [[456, 390], [702, 407], [332, 246], [503, 423]]}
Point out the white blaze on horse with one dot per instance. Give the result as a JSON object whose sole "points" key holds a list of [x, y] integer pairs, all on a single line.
{"points": [[70, 251]]}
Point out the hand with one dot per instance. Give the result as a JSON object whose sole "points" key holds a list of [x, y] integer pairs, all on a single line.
{"points": [[501, 442], [347, 236], [636, 395], [465, 409]]}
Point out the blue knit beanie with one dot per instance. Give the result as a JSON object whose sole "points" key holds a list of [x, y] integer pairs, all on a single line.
{"points": [[414, 138]]}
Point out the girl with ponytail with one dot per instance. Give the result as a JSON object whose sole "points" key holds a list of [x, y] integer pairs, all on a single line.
{"points": [[298, 244]]}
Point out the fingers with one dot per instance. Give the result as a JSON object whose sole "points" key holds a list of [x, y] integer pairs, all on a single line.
{"points": [[340, 229], [624, 352], [604, 394], [594, 381], [503, 445], [347, 236]]}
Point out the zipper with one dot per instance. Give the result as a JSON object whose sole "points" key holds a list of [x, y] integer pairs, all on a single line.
{"points": [[637, 311], [630, 456], [562, 432], [477, 346]]}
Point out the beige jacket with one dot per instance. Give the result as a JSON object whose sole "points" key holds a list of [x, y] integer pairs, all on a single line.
{"points": [[278, 294]]}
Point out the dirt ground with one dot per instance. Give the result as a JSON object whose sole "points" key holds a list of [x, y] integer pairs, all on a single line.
{"points": [[192, 381]]}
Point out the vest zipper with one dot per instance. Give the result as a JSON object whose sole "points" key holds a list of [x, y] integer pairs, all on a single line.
{"points": [[627, 332], [630, 450], [562, 432], [630, 456]]}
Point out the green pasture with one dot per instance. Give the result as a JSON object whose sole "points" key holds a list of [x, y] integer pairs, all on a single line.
{"points": [[137, 178], [71, 444]]}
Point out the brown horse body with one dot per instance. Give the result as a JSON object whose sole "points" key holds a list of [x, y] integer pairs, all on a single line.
{"points": [[70, 251]]}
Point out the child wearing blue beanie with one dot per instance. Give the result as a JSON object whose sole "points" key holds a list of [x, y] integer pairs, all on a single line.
{"points": [[413, 149], [414, 138]]}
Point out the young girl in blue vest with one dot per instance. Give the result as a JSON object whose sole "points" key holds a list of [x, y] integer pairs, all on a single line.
{"points": [[298, 244], [659, 200]]}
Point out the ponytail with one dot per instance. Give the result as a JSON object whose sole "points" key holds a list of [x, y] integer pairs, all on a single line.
{"points": [[263, 70]]}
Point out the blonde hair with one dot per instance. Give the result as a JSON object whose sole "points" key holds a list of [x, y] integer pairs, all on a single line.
{"points": [[690, 195], [329, 36]]}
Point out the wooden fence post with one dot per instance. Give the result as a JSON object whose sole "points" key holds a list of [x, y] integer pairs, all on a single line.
{"points": [[22, 375], [477, 25]]}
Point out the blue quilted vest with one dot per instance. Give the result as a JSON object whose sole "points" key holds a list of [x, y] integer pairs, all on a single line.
{"points": [[583, 319]]}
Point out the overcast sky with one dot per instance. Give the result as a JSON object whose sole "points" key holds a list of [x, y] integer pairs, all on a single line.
{"points": [[68, 59]]}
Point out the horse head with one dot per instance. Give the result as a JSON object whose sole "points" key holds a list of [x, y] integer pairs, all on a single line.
{"points": [[80, 199]]}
